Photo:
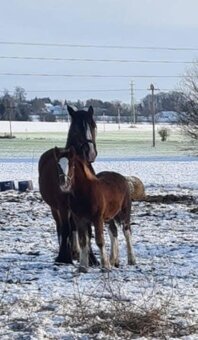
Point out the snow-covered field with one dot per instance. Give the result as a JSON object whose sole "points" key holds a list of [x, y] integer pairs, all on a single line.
{"points": [[25, 127], [156, 299]]}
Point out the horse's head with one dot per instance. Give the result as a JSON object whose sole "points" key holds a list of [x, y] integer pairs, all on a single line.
{"points": [[82, 133], [72, 169], [64, 159]]}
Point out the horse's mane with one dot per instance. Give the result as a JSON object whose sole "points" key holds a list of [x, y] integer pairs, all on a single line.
{"points": [[71, 137], [89, 172]]}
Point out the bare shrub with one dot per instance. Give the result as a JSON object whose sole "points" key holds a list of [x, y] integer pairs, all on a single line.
{"points": [[114, 315], [164, 133]]}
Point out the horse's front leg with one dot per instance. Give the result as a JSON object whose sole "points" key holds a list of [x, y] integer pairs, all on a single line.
{"points": [[99, 235], [92, 258], [113, 233], [64, 235], [75, 239], [84, 246], [75, 242]]}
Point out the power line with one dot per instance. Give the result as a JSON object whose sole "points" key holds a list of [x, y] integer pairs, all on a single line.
{"points": [[89, 90], [169, 48], [99, 60], [86, 75]]}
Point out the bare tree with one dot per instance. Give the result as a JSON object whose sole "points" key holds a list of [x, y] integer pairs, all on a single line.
{"points": [[189, 115], [19, 95]]}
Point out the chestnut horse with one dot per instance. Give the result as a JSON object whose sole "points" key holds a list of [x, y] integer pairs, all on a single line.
{"points": [[97, 199], [81, 136]]}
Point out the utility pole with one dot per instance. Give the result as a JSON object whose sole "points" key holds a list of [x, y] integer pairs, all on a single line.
{"points": [[133, 120], [103, 118], [9, 107], [152, 89], [119, 117], [10, 122]]}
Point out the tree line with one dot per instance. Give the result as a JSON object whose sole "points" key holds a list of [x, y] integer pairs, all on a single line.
{"points": [[185, 103], [17, 107]]}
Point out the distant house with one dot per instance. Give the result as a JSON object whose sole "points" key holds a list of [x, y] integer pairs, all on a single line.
{"points": [[59, 111], [49, 107], [166, 117]]}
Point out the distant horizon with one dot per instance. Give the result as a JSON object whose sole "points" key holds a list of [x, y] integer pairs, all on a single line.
{"points": [[62, 100], [77, 50]]}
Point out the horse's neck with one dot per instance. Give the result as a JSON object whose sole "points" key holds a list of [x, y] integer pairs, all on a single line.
{"points": [[70, 141], [84, 179], [91, 168]]}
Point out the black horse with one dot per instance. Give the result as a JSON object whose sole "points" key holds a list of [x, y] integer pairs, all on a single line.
{"points": [[81, 136]]}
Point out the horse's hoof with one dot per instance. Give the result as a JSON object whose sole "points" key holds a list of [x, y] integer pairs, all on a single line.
{"points": [[93, 262], [132, 262], [114, 263], [62, 260], [75, 256], [83, 269]]}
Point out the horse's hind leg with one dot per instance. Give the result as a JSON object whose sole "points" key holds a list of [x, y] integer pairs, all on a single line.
{"points": [[128, 237], [113, 233]]}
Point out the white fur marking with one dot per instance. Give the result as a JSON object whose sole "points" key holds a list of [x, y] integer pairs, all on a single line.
{"points": [[63, 162], [104, 259], [130, 253], [114, 248], [76, 246], [91, 145]]}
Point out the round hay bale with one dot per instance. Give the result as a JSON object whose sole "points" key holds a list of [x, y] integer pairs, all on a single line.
{"points": [[137, 188]]}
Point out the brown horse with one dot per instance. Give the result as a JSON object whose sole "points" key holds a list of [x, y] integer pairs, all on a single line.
{"points": [[97, 199], [81, 136]]}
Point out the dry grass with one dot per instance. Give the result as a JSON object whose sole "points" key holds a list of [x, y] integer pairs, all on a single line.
{"points": [[114, 316], [109, 316]]}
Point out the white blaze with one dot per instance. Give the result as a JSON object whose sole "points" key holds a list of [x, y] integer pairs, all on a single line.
{"points": [[63, 162], [92, 154]]}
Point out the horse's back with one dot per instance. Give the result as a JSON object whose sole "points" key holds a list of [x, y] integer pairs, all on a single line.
{"points": [[111, 177], [48, 180], [115, 182], [44, 160]]}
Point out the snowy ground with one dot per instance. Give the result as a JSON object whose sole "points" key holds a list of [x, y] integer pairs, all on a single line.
{"points": [[40, 300], [156, 299]]}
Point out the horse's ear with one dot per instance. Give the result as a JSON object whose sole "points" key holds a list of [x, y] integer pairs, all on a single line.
{"points": [[90, 110], [56, 152], [70, 110]]}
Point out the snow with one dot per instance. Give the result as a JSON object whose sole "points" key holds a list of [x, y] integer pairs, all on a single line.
{"points": [[169, 174], [39, 300]]}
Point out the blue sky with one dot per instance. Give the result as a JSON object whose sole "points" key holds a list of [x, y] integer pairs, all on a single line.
{"points": [[109, 23]]}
